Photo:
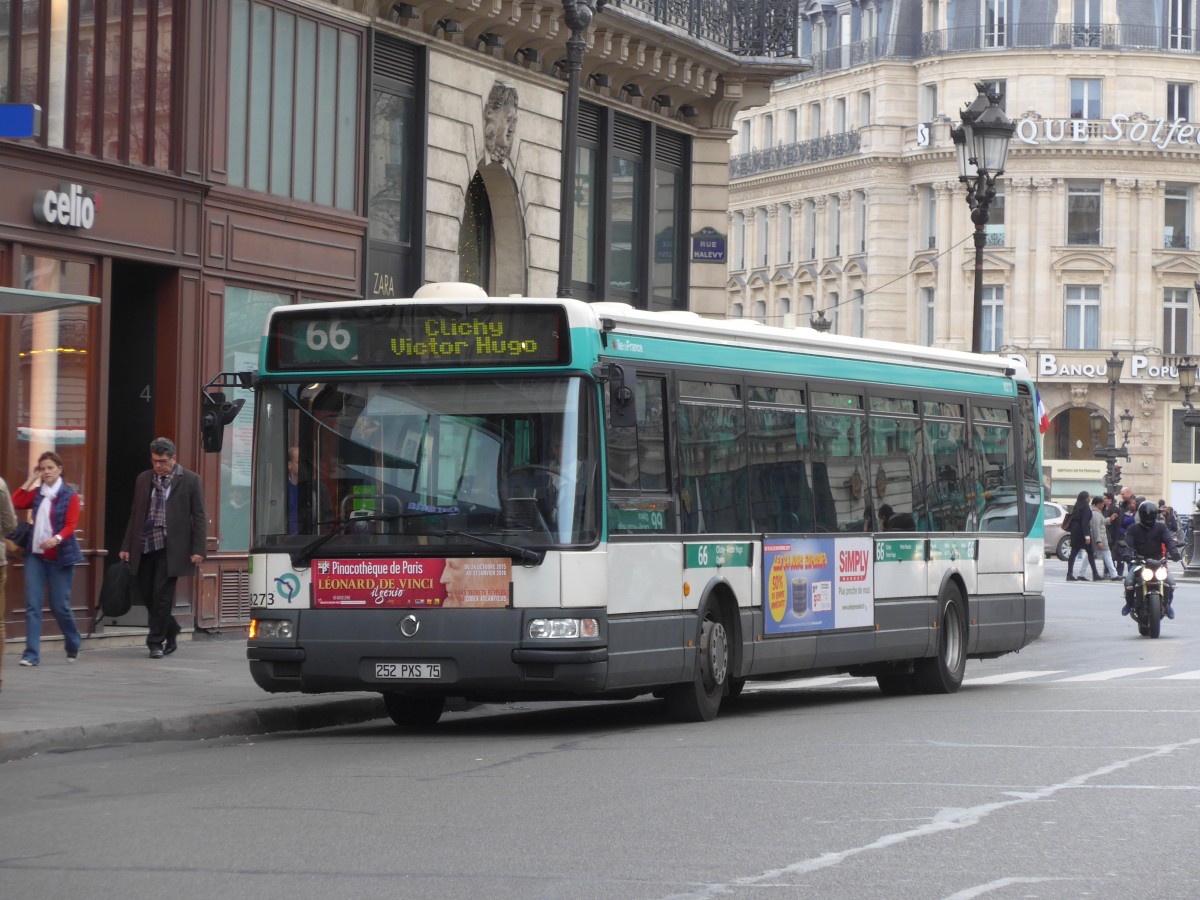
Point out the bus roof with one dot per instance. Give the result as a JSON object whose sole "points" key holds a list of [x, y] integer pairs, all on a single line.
{"points": [[623, 319]]}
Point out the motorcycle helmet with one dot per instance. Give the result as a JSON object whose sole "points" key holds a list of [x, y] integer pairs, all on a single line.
{"points": [[1148, 514]]}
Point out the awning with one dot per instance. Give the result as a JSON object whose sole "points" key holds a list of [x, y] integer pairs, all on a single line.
{"points": [[18, 302]]}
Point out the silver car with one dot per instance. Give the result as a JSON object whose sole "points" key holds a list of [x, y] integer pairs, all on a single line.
{"points": [[1058, 541]]}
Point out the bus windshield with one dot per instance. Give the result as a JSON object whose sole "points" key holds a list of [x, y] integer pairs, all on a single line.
{"points": [[393, 466]]}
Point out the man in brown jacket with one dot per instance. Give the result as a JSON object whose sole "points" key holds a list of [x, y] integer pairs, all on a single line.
{"points": [[165, 539]]}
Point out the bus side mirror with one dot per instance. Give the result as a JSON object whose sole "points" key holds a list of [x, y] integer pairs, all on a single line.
{"points": [[622, 410], [215, 413]]}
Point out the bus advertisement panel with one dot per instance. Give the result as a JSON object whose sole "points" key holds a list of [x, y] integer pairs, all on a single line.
{"points": [[411, 583], [817, 584]]}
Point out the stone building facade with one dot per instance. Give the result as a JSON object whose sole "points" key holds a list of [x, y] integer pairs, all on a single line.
{"points": [[845, 203]]}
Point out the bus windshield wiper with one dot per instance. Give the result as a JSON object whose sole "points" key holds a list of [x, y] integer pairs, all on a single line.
{"points": [[524, 554], [303, 556]]}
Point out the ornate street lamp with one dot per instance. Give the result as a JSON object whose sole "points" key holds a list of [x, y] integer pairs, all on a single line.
{"points": [[1112, 452], [1186, 367], [981, 145]]}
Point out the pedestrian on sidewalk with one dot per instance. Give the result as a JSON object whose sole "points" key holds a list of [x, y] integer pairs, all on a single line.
{"points": [[8, 521], [1100, 539], [52, 556], [164, 539], [1081, 536]]}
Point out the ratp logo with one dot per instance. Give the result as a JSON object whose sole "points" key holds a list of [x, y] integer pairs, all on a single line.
{"points": [[288, 586]]}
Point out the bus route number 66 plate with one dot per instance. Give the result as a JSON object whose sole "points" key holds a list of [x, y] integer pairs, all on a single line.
{"points": [[411, 670]]}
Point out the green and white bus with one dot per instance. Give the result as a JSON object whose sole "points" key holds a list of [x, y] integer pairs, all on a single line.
{"points": [[498, 499]]}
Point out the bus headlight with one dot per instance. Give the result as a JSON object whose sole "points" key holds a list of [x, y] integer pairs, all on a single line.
{"points": [[272, 629], [564, 628]]}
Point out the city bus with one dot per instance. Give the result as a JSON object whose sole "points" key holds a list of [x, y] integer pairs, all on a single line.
{"points": [[460, 496]]}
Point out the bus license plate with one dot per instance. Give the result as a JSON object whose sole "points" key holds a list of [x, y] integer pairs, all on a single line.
{"points": [[420, 670]]}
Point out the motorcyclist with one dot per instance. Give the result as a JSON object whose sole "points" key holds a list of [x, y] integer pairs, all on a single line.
{"points": [[1146, 538]]}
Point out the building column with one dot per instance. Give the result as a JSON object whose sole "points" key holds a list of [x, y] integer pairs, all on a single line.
{"points": [[1018, 309], [953, 319], [1048, 314], [1123, 327], [710, 208]]}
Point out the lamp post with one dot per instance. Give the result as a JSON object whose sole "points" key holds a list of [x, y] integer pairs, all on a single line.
{"points": [[578, 15], [981, 145], [1112, 481], [1186, 366]]}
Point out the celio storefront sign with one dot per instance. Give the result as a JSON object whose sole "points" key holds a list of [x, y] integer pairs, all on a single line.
{"points": [[1158, 132], [70, 207], [1138, 366]]}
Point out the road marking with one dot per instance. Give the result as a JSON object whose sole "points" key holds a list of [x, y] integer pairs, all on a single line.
{"points": [[1012, 676], [787, 874], [1183, 676], [1111, 674]]}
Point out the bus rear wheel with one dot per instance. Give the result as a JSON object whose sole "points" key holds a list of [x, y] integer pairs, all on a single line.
{"points": [[700, 700], [943, 672], [413, 712]]}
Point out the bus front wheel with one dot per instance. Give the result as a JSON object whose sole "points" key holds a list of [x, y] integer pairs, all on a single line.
{"points": [[943, 672], [413, 712], [699, 700]]}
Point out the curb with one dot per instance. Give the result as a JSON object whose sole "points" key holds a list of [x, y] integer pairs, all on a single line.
{"points": [[199, 725]]}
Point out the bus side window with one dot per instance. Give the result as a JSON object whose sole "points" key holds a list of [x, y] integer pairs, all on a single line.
{"points": [[637, 464]]}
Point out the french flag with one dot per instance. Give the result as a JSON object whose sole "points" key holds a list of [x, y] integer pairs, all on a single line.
{"points": [[1043, 416]]}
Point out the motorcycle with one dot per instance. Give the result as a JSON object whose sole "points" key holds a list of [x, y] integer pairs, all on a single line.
{"points": [[1151, 595]]}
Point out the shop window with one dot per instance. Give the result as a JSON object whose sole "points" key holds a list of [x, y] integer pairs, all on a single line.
{"points": [[1085, 98], [1083, 213], [103, 73], [309, 149], [1177, 214], [1179, 101], [993, 318], [53, 382], [1185, 441], [1082, 318], [994, 228], [928, 312], [1177, 330], [245, 312], [393, 202]]}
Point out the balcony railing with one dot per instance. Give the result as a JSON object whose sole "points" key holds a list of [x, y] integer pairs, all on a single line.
{"points": [[1020, 36], [1058, 36], [1175, 240], [785, 156], [744, 27]]}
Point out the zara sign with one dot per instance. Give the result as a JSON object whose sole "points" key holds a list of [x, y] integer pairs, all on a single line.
{"points": [[70, 206]]}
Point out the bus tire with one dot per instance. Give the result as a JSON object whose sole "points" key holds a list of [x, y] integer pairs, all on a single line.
{"points": [[699, 700], [942, 673], [413, 712], [736, 685]]}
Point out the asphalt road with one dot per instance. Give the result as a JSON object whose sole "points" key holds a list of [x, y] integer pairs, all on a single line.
{"points": [[1069, 770]]}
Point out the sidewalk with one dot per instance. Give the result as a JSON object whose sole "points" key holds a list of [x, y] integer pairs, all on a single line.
{"points": [[116, 694]]}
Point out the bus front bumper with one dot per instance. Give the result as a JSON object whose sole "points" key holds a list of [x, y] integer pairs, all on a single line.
{"points": [[450, 652]]}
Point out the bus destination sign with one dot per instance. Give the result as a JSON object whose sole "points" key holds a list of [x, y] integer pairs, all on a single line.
{"points": [[412, 337]]}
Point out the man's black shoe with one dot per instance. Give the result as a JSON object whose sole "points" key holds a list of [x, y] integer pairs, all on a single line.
{"points": [[1170, 612], [155, 653], [1125, 609], [171, 646]]}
